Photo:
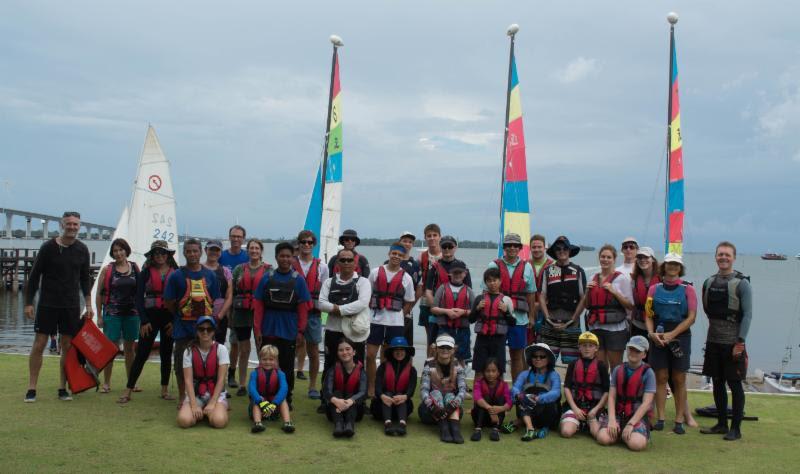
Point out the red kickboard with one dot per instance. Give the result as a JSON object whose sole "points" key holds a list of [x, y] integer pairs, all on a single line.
{"points": [[78, 378], [98, 350]]}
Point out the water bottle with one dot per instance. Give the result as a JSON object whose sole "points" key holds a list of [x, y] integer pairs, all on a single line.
{"points": [[660, 329]]}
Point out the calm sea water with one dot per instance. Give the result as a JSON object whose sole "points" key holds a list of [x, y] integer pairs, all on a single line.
{"points": [[776, 285]]}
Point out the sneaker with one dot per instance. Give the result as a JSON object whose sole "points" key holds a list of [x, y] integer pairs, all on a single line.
{"points": [[388, 429], [64, 395], [716, 429], [659, 425], [508, 427], [314, 394], [542, 433], [732, 435], [678, 428], [288, 427], [232, 379], [257, 428], [400, 430], [53, 345], [301, 375], [476, 435], [30, 396], [494, 435], [241, 392], [529, 435]]}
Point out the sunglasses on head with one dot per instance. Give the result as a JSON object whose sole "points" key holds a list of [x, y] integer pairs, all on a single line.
{"points": [[629, 246], [345, 260], [448, 246], [72, 214], [306, 242], [206, 329]]}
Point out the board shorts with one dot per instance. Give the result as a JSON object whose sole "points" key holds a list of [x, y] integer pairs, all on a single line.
{"points": [[489, 347], [313, 332], [611, 340], [66, 321], [125, 327], [719, 363], [569, 417], [380, 334], [663, 358], [517, 337], [202, 402], [640, 427], [462, 338], [562, 342]]}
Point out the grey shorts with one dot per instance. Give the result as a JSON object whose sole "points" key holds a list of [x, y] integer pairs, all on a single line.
{"points": [[313, 332], [611, 340]]}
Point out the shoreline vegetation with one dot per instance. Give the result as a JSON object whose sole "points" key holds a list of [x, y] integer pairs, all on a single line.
{"points": [[94, 433]]}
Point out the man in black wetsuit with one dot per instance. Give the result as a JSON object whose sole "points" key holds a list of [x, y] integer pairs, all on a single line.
{"points": [[62, 264]]}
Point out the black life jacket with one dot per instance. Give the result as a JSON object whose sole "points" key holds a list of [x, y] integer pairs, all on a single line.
{"points": [[563, 286], [280, 295], [343, 294], [721, 297]]}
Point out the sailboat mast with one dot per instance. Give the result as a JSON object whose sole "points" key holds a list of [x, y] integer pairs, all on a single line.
{"points": [[669, 129], [511, 32], [336, 43]]}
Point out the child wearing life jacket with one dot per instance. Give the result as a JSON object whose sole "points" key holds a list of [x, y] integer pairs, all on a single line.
{"points": [[451, 305], [630, 399], [205, 365], [344, 390], [491, 313], [395, 383], [537, 392], [267, 388], [492, 399], [443, 390], [585, 389]]}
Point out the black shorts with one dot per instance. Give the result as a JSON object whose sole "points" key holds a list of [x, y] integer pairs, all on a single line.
{"points": [[663, 358], [221, 332], [486, 347], [611, 340], [66, 321], [719, 363], [243, 334]]}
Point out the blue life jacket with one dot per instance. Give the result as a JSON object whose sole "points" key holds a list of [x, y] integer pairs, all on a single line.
{"points": [[670, 306]]}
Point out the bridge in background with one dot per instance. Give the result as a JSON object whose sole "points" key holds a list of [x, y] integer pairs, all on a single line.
{"points": [[102, 231]]}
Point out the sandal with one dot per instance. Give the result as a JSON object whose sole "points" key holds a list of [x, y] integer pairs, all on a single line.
{"points": [[105, 389], [123, 399], [508, 427], [167, 396], [136, 389]]}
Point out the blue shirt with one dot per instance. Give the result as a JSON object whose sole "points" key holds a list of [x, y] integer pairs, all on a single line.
{"points": [[227, 259], [252, 388], [281, 323], [176, 288], [547, 397]]}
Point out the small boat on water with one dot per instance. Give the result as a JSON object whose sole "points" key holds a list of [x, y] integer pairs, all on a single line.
{"points": [[797, 256], [773, 256]]}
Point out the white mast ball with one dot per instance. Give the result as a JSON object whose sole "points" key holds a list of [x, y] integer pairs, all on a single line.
{"points": [[337, 41], [672, 18], [512, 30]]}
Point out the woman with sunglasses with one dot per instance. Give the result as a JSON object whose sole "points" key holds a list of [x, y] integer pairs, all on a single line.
{"points": [[537, 392], [245, 280], [442, 388], [608, 299], [205, 367], [645, 274], [155, 318]]}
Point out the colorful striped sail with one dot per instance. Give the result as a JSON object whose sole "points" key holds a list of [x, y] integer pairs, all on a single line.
{"points": [[675, 203], [515, 211], [325, 207]]}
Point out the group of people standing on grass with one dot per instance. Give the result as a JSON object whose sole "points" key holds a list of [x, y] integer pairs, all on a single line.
{"points": [[641, 308]]}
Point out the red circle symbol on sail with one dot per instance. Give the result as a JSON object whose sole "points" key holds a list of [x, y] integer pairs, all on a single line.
{"points": [[154, 182]]}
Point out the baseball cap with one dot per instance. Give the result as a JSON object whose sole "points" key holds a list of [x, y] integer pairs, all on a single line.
{"points": [[639, 342], [445, 341]]}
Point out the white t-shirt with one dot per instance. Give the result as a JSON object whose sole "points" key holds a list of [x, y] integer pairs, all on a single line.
{"points": [[322, 274], [334, 321], [384, 316], [622, 284], [223, 358], [626, 268]]}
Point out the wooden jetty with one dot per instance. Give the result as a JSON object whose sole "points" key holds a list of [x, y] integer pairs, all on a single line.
{"points": [[16, 266]]}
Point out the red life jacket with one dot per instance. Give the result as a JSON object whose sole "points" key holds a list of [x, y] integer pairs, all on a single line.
{"points": [[492, 396], [442, 275], [630, 390], [492, 320], [586, 388], [425, 265], [355, 262], [247, 284], [349, 386], [450, 301], [514, 285], [267, 388], [107, 279], [154, 289], [539, 277], [312, 277], [205, 373], [603, 306], [394, 384], [640, 294], [388, 295]]}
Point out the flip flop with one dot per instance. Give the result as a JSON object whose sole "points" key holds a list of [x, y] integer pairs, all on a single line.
{"points": [[123, 399], [167, 396], [105, 389], [136, 389]]}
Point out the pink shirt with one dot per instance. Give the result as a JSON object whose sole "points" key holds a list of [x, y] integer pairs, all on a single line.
{"points": [[482, 389]]}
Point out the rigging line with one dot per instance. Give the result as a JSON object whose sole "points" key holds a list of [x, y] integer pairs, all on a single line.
{"points": [[656, 188]]}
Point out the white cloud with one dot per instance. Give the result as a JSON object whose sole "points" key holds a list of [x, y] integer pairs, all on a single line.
{"points": [[457, 109], [781, 116], [578, 69]]}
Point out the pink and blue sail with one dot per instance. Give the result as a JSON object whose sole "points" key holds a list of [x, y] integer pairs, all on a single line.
{"points": [[675, 184]]}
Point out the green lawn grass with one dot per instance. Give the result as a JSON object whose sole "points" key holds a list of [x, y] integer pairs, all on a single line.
{"points": [[93, 433]]}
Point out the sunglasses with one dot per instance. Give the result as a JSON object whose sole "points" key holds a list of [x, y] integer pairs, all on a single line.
{"points": [[642, 257], [445, 348], [629, 246], [306, 242], [561, 249], [448, 246], [156, 253], [348, 239], [539, 357], [513, 246], [345, 260], [72, 214], [206, 329]]}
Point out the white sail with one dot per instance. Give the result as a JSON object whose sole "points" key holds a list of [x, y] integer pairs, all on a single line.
{"points": [[331, 218], [152, 209]]}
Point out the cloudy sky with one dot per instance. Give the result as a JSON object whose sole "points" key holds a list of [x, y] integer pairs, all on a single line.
{"points": [[237, 93]]}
